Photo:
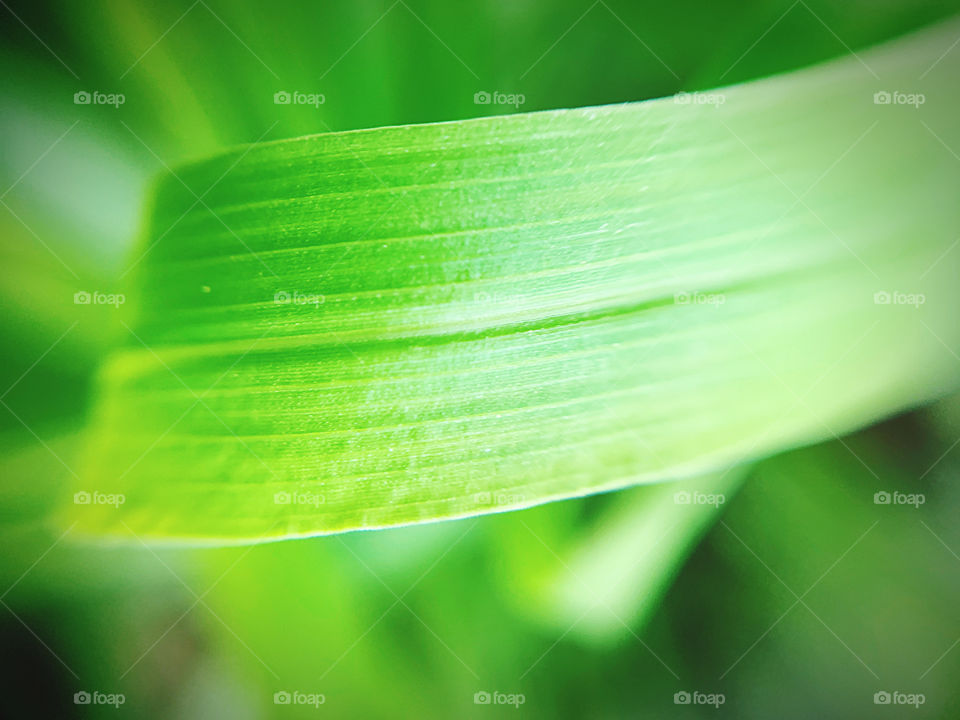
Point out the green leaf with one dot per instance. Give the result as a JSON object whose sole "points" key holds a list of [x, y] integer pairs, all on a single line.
{"points": [[382, 327], [614, 578]]}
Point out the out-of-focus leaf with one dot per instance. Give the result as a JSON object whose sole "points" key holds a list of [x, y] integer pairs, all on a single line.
{"points": [[613, 579], [389, 63], [408, 324], [808, 570], [69, 198]]}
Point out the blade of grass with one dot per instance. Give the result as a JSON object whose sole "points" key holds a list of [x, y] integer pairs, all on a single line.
{"points": [[613, 578], [408, 324]]}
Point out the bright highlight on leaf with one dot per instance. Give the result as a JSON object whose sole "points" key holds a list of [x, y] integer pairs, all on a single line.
{"points": [[390, 326]]}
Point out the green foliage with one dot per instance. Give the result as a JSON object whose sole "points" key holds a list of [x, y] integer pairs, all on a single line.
{"points": [[528, 326], [392, 326]]}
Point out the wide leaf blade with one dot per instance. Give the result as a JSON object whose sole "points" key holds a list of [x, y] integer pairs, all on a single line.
{"points": [[382, 327]]}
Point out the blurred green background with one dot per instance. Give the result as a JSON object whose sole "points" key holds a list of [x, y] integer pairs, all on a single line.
{"points": [[803, 598]]}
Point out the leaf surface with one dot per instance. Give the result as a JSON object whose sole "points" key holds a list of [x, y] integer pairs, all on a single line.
{"points": [[375, 328]]}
